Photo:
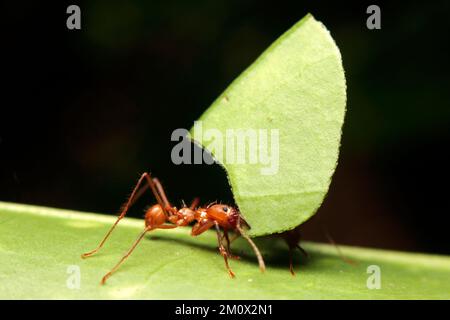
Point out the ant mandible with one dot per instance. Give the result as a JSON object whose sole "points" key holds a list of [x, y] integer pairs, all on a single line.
{"points": [[165, 216]]}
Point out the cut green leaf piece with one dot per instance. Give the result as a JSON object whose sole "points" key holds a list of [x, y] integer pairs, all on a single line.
{"points": [[293, 98], [40, 259]]}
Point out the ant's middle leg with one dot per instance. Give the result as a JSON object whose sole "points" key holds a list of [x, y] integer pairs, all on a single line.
{"points": [[106, 276], [194, 203], [149, 228]]}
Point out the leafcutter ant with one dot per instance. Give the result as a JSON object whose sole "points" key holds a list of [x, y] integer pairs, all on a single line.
{"points": [[165, 216]]}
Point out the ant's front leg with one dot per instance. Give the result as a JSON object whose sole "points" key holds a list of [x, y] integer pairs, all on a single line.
{"points": [[225, 254], [205, 225], [227, 239]]}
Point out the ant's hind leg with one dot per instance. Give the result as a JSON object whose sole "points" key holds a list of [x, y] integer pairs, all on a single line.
{"points": [[133, 197], [161, 192]]}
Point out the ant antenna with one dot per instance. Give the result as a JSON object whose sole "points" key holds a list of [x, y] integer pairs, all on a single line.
{"points": [[212, 203]]}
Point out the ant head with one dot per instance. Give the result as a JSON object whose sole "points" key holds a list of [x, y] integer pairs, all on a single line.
{"points": [[224, 213]]}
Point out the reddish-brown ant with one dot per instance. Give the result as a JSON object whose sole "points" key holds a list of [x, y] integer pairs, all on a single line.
{"points": [[165, 216]]}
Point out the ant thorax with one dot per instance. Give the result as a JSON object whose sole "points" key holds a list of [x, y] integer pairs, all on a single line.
{"points": [[201, 214]]}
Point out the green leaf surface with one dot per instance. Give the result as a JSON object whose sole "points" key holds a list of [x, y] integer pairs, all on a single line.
{"points": [[297, 86], [37, 246]]}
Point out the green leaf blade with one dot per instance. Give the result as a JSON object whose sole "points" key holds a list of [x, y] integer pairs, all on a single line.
{"points": [[297, 86]]}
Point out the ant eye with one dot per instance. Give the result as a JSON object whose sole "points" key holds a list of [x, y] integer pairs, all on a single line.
{"points": [[225, 209]]}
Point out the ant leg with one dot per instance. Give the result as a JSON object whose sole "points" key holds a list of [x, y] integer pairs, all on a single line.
{"points": [[194, 203], [161, 192], [145, 188], [106, 276], [262, 266], [128, 204], [201, 227], [291, 252], [156, 188], [222, 250], [303, 251], [291, 259], [235, 236], [227, 239], [139, 194], [164, 226], [331, 240], [291, 264]]}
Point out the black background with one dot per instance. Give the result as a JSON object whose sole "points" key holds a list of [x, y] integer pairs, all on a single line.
{"points": [[84, 112]]}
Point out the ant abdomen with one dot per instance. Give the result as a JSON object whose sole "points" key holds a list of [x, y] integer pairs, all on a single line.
{"points": [[154, 216]]}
